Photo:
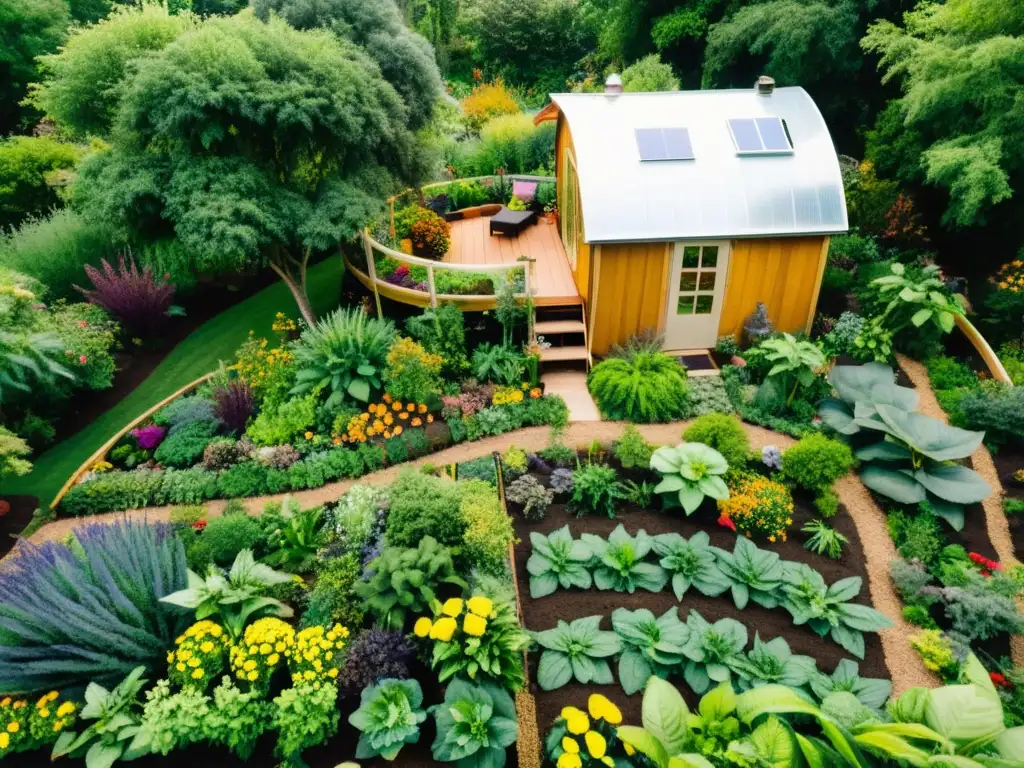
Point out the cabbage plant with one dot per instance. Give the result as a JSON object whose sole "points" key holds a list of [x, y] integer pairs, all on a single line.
{"points": [[689, 472], [620, 564], [691, 564], [773, 662], [389, 717], [872, 692], [557, 560], [475, 725], [753, 573], [650, 646], [714, 652], [578, 650]]}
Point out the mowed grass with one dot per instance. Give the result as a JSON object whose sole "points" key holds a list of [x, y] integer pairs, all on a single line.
{"points": [[198, 354]]}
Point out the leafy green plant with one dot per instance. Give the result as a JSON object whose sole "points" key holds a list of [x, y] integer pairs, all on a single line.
{"points": [[499, 363], [282, 422], [185, 447], [638, 494], [632, 449], [422, 505], [534, 497], [389, 717], [908, 457], [595, 490], [815, 462], [872, 692], [795, 363], [293, 545], [558, 560], [489, 529], [345, 354], [827, 609], [475, 725], [773, 662], [644, 387], [406, 581], [824, 539], [236, 720], [689, 472], [754, 573], [723, 432], [714, 652], [916, 302], [576, 651], [691, 564], [620, 562], [225, 536], [234, 598], [304, 716], [650, 646]]}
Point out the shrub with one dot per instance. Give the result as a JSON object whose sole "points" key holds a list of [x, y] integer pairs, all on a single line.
{"points": [[758, 506], [282, 423], [222, 452], [111, 491], [632, 449], [248, 478], [920, 538], [595, 490], [442, 332], [909, 578], [815, 462], [186, 486], [998, 410], [91, 337], [481, 468], [558, 454], [234, 404], [431, 236], [376, 654], [514, 143], [841, 340], [185, 447], [649, 74], [13, 451], [346, 349], [646, 387], [949, 373], [184, 411], [406, 217], [270, 373], [27, 163], [92, 613], [724, 433], [136, 298], [486, 101], [228, 535], [531, 495], [412, 374], [277, 456], [333, 599], [422, 506], [827, 503], [489, 530]]}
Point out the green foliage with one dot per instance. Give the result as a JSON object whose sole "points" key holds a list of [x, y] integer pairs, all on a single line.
{"points": [[872, 692], [576, 651], [27, 166], [754, 574], [333, 599], [226, 536], [816, 462], [169, 721], [724, 433], [632, 449], [293, 544], [184, 447], [282, 423], [28, 28], [236, 720], [708, 395], [407, 580], [619, 562], [489, 531], [647, 387], [997, 409], [824, 539], [946, 372], [422, 505], [595, 490], [442, 331], [498, 363], [827, 503], [511, 142], [650, 646], [795, 364], [13, 451], [916, 300], [773, 662], [690, 472], [304, 716], [713, 651], [649, 74], [690, 563], [389, 717], [475, 725], [557, 560], [534, 497]]}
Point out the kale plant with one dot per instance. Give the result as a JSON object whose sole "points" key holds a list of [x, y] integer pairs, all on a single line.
{"points": [[872, 692], [754, 573], [773, 662], [714, 652]]}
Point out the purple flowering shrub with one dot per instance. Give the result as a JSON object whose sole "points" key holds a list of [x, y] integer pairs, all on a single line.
{"points": [[233, 405], [149, 436], [135, 297]]}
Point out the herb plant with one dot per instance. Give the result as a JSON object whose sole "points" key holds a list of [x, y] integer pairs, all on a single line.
{"points": [[304, 716], [475, 725], [650, 646], [689, 472], [389, 717], [576, 651], [620, 562], [714, 652], [691, 564], [595, 490], [293, 545], [534, 497], [557, 560], [824, 539]]}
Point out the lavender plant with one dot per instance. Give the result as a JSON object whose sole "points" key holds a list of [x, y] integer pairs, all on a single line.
{"points": [[89, 611]]}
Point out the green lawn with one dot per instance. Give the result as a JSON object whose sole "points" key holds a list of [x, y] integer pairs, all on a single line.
{"points": [[198, 354]]}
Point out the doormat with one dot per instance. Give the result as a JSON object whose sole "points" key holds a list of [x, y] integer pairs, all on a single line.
{"points": [[698, 362]]}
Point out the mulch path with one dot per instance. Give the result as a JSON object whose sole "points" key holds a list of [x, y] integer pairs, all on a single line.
{"points": [[544, 613]]}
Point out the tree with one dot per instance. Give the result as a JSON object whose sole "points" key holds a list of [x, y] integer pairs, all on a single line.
{"points": [[254, 143], [28, 28], [649, 74], [26, 165], [405, 59], [961, 65], [83, 82], [13, 451]]}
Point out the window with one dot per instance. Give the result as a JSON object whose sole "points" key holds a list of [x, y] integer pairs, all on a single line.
{"points": [[760, 136], [697, 280], [569, 209], [663, 144]]}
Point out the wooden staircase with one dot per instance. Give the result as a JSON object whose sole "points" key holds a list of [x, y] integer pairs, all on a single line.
{"points": [[564, 328]]}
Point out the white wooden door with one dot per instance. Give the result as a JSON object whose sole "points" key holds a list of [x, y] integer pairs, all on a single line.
{"points": [[696, 289]]}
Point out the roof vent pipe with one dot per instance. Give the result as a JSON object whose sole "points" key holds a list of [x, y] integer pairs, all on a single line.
{"points": [[613, 85], [765, 85]]}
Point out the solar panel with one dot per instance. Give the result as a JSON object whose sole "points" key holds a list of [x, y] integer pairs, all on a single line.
{"points": [[744, 132], [773, 134], [664, 144]]}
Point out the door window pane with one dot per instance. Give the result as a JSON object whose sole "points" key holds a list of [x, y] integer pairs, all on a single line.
{"points": [[707, 281], [685, 305], [691, 256], [687, 281], [704, 304], [710, 256]]}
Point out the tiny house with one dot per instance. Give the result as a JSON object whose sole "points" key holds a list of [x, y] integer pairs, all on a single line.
{"points": [[680, 211]]}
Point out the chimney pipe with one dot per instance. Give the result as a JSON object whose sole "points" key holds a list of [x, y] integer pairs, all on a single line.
{"points": [[765, 85], [613, 85]]}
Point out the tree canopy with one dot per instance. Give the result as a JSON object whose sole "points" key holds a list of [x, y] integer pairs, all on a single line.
{"points": [[28, 28], [649, 74]]}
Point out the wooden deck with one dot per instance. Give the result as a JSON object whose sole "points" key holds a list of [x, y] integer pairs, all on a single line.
{"points": [[472, 243]]}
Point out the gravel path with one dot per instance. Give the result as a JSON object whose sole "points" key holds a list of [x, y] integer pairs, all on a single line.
{"points": [[996, 524]]}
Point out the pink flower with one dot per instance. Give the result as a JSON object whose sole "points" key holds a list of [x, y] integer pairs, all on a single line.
{"points": [[82, 359], [82, 324]]}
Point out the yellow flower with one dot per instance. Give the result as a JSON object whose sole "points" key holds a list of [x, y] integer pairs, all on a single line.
{"points": [[206, 646], [309, 674], [253, 675], [308, 435], [422, 626], [480, 605], [266, 649], [411, 407], [180, 667], [596, 744], [13, 727], [474, 625], [65, 709], [6, 702], [44, 712], [396, 405], [170, 657], [569, 760], [568, 712], [602, 709], [570, 744], [249, 665], [5, 741], [197, 674], [578, 724], [452, 607], [443, 629]]}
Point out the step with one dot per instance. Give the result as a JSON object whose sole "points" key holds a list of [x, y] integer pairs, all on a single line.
{"points": [[563, 353], [544, 327]]}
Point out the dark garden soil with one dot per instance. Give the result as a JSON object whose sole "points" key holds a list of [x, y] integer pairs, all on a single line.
{"points": [[567, 605], [1008, 460], [14, 522]]}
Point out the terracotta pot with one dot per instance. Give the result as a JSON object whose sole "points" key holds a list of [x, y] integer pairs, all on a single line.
{"points": [[738, 361]]}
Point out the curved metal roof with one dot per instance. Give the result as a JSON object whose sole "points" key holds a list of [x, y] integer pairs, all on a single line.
{"points": [[720, 193]]}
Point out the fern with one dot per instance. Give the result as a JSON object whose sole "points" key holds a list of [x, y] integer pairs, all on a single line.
{"points": [[90, 610], [643, 388]]}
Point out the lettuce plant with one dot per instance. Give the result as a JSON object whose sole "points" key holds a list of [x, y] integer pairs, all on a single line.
{"points": [[754, 573], [691, 564], [773, 662], [651, 646], [620, 563], [389, 717], [475, 725], [578, 650], [872, 692], [557, 560], [827, 609], [689, 472], [714, 652]]}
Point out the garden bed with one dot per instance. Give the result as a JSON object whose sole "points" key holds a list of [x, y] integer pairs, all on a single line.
{"points": [[1008, 460]]}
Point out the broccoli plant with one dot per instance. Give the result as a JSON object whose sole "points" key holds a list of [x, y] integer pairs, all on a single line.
{"points": [[620, 563], [578, 650]]}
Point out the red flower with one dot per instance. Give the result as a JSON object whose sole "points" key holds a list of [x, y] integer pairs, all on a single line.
{"points": [[984, 564], [726, 522], [82, 359], [999, 680], [199, 525]]}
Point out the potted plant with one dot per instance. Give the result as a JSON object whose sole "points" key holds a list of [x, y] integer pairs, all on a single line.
{"points": [[551, 213]]}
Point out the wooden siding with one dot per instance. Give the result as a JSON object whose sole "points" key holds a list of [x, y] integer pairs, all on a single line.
{"points": [[630, 290], [784, 273], [582, 274]]}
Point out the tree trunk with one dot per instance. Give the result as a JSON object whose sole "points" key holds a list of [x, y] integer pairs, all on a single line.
{"points": [[298, 292]]}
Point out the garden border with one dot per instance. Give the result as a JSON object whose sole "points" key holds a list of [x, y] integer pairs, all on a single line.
{"points": [[984, 349]]}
